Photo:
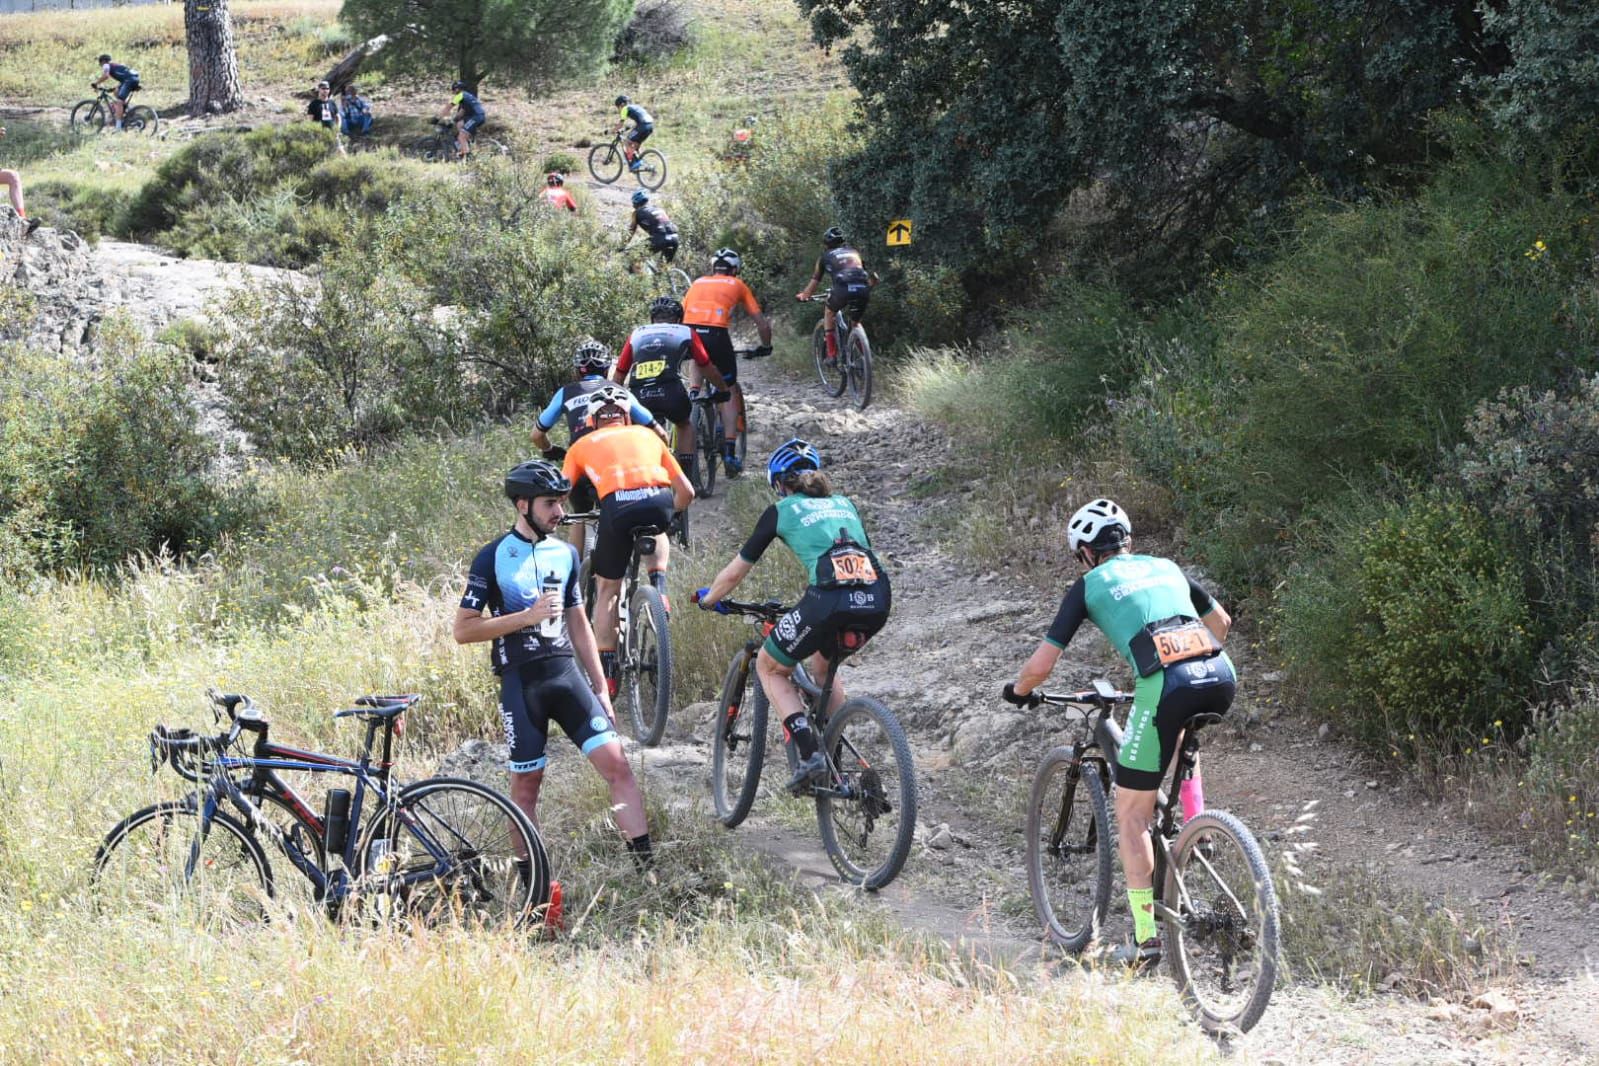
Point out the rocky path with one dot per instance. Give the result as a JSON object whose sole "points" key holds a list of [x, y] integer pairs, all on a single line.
{"points": [[958, 633]]}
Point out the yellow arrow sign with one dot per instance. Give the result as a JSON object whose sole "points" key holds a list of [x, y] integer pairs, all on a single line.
{"points": [[899, 232]]}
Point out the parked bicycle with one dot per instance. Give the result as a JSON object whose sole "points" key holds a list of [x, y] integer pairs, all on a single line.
{"points": [[92, 116], [607, 161], [852, 368], [866, 812], [643, 641], [1215, 891], [439, 849]]}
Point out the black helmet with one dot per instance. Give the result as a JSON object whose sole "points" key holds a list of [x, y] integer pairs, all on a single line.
{"points": [[833, 237], [666, 307], [534, 478], [554, 178], [621, 101], [726, 261], [104, 59], [591, 357], [457, 86]]}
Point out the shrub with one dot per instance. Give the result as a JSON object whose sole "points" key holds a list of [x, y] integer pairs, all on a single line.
{"points": [[560, 163], [89, 210]]}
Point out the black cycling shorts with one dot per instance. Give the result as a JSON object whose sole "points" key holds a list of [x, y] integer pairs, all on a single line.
{"points": [[665, 244], [665, 398], [1199, 686], [582, 497], [817, 621], [719, 343], [640, 134], [539, 691], [850, 290], [621, 513]]}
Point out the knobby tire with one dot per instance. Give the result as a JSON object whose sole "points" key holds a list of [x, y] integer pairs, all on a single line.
{"points": [[1069, 850], [846, 823], [738, 745], [648, 636]]}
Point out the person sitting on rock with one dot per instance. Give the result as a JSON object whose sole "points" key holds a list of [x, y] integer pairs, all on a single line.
{"points": [[13, 183], [357, 112]]}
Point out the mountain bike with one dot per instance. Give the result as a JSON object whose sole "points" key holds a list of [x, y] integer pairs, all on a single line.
{"points": [[866, 812], [852, 368], [607, 161], [643, 640], [709, 433], [1216, 895], [439, 146], [439, 849], [662, 274], [92, 116]]}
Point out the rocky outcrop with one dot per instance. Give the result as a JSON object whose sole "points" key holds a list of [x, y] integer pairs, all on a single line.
{"points": [[55, 269]]}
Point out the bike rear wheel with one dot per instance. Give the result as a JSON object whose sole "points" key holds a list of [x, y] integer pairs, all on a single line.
{"points": [[144, 865], [141, 119], [707, 438], [858, 366], [867, 814], [652, 169], [605, 162], [679, 280], [1069, 844], [455, 851], [649, 665], [1223, 938], [739, 744], [88, 117], [833, 375]]}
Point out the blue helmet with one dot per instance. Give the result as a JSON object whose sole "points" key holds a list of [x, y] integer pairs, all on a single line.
{"points": [[790, 458], [641, 198]]}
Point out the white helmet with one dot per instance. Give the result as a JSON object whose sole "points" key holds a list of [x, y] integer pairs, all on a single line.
{"points": [[1100, 525]]}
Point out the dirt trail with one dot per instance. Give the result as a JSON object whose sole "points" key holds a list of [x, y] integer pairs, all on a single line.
{"points": [[958, 633]]}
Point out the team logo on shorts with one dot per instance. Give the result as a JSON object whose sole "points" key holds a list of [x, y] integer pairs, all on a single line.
{"points": [[787, 625], [1199, 668], [860, 599], [510, 725], [599, 723]]}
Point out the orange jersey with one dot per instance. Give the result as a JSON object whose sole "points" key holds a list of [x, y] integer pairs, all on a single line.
{"points": [[621, 457], [711, 299], [556, 196]]}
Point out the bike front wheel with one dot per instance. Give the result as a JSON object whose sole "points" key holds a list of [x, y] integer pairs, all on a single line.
{"points": [[652, 169], [831, 371], [739, 744], [1069, 860], [88, 117], [858, 367], [605, 162], [708, 438], [156, 859], [141, 119], [867, 812], [1222, 922], [678, 280], [649, 661], [456, 851]]}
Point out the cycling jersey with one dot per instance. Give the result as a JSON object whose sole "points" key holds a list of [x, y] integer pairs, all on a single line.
{"points": [[572, 400], [119, 73], [809, 525], [639, 116], [622, 458], [468, 102], [1123, 595], [509, 575], [710, 300], [657, 351], [839, 263], [556, 196], [654, 221]]}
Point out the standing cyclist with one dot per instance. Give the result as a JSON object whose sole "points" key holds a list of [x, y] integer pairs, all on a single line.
{"points": [[639, 484], [654, 354], [656, 224], [643, 126], [851, 284], [527, 580], [127, 81], [466, 110], [845, 604], [708, 306], [1135, 599], [590, 365]]}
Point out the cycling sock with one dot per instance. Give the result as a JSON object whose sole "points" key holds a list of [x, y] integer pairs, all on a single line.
{"points": [[608, 668], [642, 850], [729, 448], [1192, 795], [685, 460], [1141, 901], [798, 726], [832, 345]]}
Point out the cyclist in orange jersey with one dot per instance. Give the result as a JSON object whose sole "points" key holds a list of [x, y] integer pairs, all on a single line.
{"points": [[639, 483], [708, 306]]}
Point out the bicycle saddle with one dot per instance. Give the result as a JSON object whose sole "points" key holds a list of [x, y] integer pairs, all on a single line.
{"points": [[1196, 722]]}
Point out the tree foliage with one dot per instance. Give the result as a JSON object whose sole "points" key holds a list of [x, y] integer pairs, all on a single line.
{"points": [[531, 42]]}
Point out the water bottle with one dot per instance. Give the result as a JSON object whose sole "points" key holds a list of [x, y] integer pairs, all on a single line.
{"points": [[550, 628]]}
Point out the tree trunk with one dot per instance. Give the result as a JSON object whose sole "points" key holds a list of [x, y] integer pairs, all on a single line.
{"points": [[213, 66], [345, 70]]}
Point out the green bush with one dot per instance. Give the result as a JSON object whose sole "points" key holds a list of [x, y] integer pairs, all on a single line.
{"points": [[91, 211], [560, 163]]}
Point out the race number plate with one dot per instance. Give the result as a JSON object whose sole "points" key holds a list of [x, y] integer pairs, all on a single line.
{"points": [[853, 567], [1180, 645], [652, 369]]}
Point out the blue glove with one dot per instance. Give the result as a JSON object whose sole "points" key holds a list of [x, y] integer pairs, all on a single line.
{"points": [[699, 598]]}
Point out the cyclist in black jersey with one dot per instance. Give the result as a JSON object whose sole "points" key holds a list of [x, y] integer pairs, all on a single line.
{"points": [[656, 224], [466, 110], [852, 284], [127, 80], [527, 581], [643, 126], [654, 355]]}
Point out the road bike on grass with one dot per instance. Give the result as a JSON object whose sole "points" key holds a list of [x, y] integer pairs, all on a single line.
{"points": [[866, 810], [443, 849], [643, 640], [1215, 899], [92, 116], [607, 161], [852, 368]]}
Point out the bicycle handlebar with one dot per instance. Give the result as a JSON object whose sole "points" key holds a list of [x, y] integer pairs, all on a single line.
{"points": [[1103, 694], [768, 610], [579, 516]]}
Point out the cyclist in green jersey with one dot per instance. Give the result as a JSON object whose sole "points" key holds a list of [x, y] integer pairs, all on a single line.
{"points": [[1170, 631], [845, 604]]}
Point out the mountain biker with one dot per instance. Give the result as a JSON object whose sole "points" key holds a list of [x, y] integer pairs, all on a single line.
{"points": [[323, 108], [846, 602], [851, 284], [639, 483], [527, 580], [357, 112], [708, 306], [655, 222], [591, 362], [555, 192], [643, 126], [127, 81], [654, 354], [1135, 599], [13, 183], [466, 111]]}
